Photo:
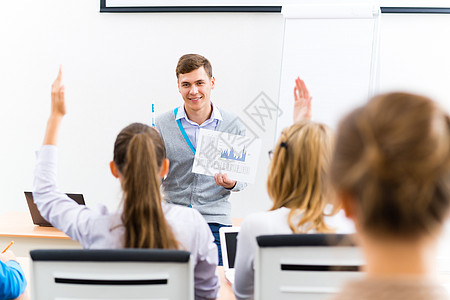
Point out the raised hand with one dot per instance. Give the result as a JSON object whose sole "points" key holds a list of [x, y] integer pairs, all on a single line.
{"points": [[7, 256], [58, 96], [302, 101], [57, 112]]}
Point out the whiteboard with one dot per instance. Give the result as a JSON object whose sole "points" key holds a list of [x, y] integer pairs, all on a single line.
{"points": [[334, 50], [414, 55]]}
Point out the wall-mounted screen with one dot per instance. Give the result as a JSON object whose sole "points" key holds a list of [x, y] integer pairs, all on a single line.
{"points": [[257, 6]]}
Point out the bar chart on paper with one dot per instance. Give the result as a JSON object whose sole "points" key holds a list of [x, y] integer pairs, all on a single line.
{"points": [[230, 154], [221, 152]]}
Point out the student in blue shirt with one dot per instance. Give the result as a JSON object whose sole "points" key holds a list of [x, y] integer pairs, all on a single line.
{"points": [[12, 278]]}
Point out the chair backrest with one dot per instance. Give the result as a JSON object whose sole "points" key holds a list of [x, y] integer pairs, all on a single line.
{"points": [[112, 274], [304, 266]]}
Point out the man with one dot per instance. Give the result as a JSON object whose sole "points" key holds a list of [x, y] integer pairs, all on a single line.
{"points": [[180, 128]]}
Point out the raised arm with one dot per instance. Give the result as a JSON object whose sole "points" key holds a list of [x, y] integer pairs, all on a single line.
{"points": [[58, 111], [302, 101], [55, 206]]}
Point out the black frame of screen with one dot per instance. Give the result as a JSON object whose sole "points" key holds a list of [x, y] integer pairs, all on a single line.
{"points": [[189, 9], [415, 10], [250, 9]]}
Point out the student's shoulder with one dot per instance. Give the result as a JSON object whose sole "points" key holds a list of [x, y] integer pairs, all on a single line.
{"points": [[264, 221], [182, 214], [255, 220], [340, 223]]}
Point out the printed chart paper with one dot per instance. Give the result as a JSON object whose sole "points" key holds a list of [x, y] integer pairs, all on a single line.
{"points": [[221, 152]]}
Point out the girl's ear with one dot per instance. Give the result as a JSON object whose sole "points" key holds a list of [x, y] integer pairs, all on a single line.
{"points": [[164, 168], [114, 170]]}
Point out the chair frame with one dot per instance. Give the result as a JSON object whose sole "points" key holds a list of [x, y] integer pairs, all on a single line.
{"points": [[112, 274], [310, 266]]}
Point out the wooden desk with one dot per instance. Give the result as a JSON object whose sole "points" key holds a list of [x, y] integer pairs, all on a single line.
{"points": [[225, 292], [17, 226]]}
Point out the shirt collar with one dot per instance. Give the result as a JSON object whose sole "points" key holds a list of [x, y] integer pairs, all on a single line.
{"points": [[215, 115]]}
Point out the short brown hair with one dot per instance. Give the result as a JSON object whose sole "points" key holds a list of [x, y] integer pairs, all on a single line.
{"points": [[393, 156], [190, 62]]}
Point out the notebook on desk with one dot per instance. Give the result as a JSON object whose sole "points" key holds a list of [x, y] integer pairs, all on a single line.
{"points": [[228, 243], [36, 215]]}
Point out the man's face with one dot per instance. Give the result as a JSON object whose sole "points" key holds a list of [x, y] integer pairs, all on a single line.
{"points": [[195, 88]]}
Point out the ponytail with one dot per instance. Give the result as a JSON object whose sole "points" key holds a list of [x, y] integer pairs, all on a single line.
{"points": [[143, 152]]}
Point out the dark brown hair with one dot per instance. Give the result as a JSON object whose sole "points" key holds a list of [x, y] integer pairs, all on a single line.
{"points": [[393, 156], [190, 62], [138, 154]]}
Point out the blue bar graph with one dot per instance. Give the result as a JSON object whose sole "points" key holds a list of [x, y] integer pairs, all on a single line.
{"points": [[230, 155]]}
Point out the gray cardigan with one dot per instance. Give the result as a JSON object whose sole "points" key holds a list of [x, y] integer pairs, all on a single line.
{"points": [[183, 187]]}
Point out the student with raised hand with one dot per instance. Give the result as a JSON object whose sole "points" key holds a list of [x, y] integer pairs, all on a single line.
{"points": [[298, 186], [143, 220], [12, 278], [391, 170]]}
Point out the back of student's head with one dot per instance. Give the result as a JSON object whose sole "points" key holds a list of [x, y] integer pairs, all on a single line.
{"points": [[139, 153], [298, 176], [191, 62], [393, 158]]}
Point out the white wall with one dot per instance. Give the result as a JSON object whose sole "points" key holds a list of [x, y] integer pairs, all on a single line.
{"points": [[415, 55], [115, 65]]}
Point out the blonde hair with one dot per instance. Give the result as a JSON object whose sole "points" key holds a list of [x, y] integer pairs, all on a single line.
{"points": [[298, 176], [393, 157], [138, 154]]}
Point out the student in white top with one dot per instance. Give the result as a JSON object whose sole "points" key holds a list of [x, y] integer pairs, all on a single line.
{"points": [[143, 221], [298, 186]]}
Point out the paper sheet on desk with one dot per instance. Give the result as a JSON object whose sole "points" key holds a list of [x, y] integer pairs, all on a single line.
{"points": [[221, 152]]}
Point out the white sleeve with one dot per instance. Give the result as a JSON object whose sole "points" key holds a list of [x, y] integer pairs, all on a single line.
{"points": [[244, 264], [56, 207], [206, 279]]}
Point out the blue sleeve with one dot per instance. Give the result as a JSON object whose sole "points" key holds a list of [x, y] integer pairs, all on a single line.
{"points": [[12, 280]]}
